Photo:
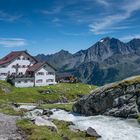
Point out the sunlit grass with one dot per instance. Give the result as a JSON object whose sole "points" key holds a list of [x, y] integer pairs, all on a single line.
{"points": [[33, 95]]}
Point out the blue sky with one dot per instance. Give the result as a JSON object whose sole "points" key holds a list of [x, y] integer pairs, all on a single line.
{"points": [[47, 26]]}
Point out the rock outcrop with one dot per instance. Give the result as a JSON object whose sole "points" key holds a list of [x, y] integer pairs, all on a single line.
{"points": [[121, 99]]}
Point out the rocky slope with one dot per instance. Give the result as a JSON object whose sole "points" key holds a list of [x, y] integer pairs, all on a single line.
{"points": [[106, 61], [8, 128], [58, 59], [121, 99]]}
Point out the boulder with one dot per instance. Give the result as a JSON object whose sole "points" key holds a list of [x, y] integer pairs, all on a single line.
{"points": [[63, 99], [121, 99], [70, 123], [43, 121], [31, 115], [92, 132], [47, 112], [15, 105], [64, 137]]}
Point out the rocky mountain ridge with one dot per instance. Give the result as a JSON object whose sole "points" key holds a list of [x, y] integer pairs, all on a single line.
{"points": [[106, 61]]}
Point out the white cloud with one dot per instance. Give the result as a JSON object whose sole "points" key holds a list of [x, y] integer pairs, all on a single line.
{"points": [[12, 42], [54, 10], [8, 17], [131, 6], [129, 37], [104, 24], [74, 34], [103, 2], [55, 20]]}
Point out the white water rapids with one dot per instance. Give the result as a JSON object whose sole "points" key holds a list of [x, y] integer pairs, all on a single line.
{"points": [[109, 128]]}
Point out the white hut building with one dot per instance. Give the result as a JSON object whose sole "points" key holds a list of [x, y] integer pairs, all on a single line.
{"points": [[23, 70]]}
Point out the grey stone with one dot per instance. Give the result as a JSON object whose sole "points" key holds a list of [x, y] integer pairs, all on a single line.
{"points": [[92, 132], [43, 121], [47, 112], [31, 115], [64, 137]]}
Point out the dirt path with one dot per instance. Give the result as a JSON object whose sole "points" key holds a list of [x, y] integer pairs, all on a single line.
{"points": [[8, 129]]}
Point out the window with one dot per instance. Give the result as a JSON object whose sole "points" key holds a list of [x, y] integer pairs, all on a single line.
{"points": [[3, 74], [23, 66], [26, 81], [20, 73], [49, 80], [3, 66], [18, 58], [16, 66], [23, 58], [39, 81], [18, 81], [13, 73], [32, 81], [40, 73], [28, 58], [51, 73]]}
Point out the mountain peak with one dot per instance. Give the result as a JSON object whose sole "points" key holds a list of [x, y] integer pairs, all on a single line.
{"points": [[108, 60], [135, 40], [108, 39], [105, 39], [63, 52]]}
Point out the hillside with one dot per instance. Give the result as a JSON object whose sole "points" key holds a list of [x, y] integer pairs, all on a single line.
{"points": [[106, 61], [47, 96], [62, 92]]}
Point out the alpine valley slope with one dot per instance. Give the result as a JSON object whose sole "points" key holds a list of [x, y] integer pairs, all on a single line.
{"points": [[106, 61]]}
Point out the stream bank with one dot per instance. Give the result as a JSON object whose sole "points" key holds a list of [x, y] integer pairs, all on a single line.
{"points": [[110, 128]]}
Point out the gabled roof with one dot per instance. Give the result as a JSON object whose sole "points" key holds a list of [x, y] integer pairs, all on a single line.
{"points": [[11, 56], [38, 65]]}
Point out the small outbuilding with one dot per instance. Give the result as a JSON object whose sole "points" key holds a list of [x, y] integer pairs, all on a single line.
{"points": [[66, 77]]}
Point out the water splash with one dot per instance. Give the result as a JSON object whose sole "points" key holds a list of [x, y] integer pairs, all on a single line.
{"points": [[109, 128]]}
